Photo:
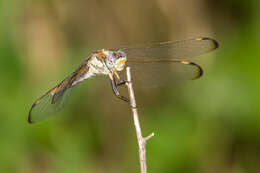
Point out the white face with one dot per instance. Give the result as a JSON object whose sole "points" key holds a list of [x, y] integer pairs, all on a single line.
{"points": [[116, 60]]}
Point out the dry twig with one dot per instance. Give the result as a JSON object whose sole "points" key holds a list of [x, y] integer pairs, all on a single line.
{"points": [[141, 140]]}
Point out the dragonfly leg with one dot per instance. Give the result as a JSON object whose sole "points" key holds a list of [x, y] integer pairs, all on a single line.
{"points": [[121, 82], [116, 92]]}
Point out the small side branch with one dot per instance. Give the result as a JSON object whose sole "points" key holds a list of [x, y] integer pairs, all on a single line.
{"points": [[141, 140]]}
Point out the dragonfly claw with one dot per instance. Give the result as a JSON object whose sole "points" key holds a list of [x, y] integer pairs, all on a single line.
{"points": [[123, 98], [116, 92], [121, 82]]}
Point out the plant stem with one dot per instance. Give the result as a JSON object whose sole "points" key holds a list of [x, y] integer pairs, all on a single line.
{"points": [[141, 140]]}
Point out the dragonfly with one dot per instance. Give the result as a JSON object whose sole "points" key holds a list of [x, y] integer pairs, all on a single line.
{"points": [[152, 60]]}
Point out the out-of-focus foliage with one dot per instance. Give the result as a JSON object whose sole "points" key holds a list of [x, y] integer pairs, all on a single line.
{"points": [[207, 125]]}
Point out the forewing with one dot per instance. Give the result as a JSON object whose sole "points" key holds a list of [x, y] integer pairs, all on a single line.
{"points": [[155, 74], [171, 50], [49, 104], [53, 100], [162, 63]]}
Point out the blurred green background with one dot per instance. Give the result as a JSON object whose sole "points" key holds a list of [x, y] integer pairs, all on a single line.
{"points": [[208, 125]]}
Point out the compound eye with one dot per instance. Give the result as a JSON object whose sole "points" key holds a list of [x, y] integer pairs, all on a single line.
{"points": [[121, 53], [114, 55]]}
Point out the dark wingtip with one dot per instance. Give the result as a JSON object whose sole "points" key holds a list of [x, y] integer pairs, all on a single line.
{"points": [[200, 72], [29, 119], [213, 40], [29, 116]]}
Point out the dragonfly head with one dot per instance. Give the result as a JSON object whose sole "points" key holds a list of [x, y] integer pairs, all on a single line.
{"points": [[116, 60]]}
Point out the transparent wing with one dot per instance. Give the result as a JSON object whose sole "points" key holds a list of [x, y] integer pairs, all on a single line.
{"points": [[53, 100], [171, 50], [155, 74], [162, 63], [49, 104]]}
